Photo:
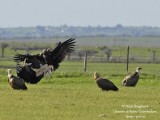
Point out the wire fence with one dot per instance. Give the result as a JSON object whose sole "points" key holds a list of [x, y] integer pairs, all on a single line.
{"points": [[90, 65], [137, 56], [112, 59]]}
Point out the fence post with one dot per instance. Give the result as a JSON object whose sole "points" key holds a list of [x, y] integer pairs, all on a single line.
{"points": [[154, 56], [127, 57], [85, 62]]}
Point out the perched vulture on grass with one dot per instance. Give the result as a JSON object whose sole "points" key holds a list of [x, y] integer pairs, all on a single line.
{"points": [[29, 75], [48, 56], [104, 84], [16, 82], [132, 79]]}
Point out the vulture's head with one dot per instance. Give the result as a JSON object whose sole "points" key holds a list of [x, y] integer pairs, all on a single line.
{"points": [[138, 69], [44, 51], [8, 71], [96, 75]]}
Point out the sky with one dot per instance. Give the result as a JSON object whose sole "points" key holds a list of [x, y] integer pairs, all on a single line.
{"points": [[26, 13]]}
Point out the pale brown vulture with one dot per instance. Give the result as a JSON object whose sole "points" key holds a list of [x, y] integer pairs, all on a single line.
{"points": [[104, 84], [15, 82], [132, 79]]}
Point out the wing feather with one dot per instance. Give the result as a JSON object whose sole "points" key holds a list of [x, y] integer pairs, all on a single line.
{"points": [[36, 60], [49, 56], [63, 49], [57, 55]]}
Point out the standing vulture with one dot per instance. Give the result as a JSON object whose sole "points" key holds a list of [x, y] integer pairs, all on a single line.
{"points": [[15, 82], [51, 57], [29, 75], [132, 79], [104, 84]]}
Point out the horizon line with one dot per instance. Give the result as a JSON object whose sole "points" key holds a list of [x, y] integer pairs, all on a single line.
{"points": [[117, 25]]}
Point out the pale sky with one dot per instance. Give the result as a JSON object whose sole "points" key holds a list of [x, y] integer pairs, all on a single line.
{"points": [[22, 13]]}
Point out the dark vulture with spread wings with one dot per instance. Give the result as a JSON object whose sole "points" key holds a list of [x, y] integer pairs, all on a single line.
{"points": [[104, 84], [36, 66], [48, 56]]}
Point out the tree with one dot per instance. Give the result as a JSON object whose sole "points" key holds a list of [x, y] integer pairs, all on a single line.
{"points": [[108, 53], [3, 46], [80, 54], [153, 55]]}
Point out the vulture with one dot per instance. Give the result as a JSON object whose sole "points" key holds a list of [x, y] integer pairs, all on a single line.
{"points": [[16, 82], [104, 84], [51, 57], [132, 79], [29, 75]]}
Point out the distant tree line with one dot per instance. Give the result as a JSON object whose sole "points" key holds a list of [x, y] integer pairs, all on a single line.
{"points": [[64, 30]]}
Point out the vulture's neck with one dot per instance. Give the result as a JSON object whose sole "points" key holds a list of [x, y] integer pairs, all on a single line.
{"points": [[97, 78], [138, 71], [9, 74]]}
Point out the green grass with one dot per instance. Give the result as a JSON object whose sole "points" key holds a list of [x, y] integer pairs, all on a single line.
{"points": [[73, 95]]}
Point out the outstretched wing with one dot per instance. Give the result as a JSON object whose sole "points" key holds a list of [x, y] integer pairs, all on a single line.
{"points": [[36, 60], [63, 49], [51, 56], [57, 55]]}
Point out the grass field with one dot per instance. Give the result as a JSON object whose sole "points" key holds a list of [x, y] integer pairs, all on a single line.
{"points": [[73, 95]]}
